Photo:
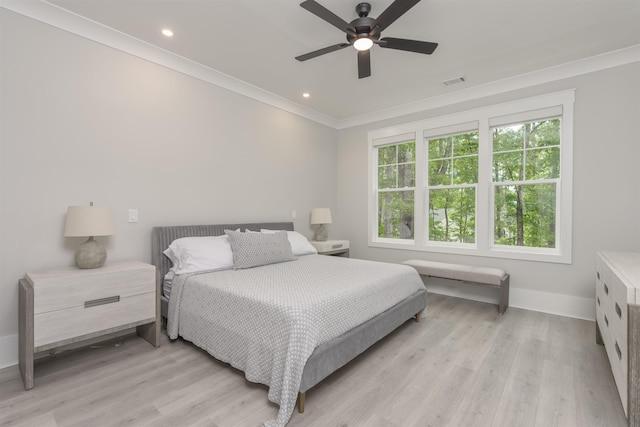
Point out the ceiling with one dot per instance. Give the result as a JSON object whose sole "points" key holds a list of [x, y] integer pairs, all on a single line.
{"points": [[256, 41]]}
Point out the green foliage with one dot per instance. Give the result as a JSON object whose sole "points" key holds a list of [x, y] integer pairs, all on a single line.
{"points": [[525, 215], [396, 182], [525, 206], [453, 164], [526, 163], [452, 215], [395, 214]]}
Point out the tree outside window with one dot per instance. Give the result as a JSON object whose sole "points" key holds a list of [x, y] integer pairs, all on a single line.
{"points": [[526, 169], [452, 182], [495, 181], [396, 187]]}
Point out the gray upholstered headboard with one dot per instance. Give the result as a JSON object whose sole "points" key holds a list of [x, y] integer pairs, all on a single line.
{"points": [[161, 238]]}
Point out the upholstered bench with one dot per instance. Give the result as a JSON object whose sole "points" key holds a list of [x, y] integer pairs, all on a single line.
{"points": [[494, 277]]}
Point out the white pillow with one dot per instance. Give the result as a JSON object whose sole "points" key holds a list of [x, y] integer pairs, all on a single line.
{"points": [[299, 244], [194, 254]]}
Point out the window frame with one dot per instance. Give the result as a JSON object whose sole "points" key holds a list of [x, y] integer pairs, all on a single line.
{"points": [[431, 134], [558, 104]]}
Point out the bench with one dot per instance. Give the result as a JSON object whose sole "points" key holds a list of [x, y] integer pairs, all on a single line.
{"points": [[494, 277]]}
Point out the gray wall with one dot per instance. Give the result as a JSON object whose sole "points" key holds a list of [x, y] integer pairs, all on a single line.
{"points": [[83, 122], [606, 175]]}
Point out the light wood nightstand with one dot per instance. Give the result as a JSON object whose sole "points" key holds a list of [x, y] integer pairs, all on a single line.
{"points": [[332, 247], [69, 305]]}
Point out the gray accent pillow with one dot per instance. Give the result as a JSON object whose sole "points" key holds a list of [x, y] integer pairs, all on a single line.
{"points": [[256, 249]]}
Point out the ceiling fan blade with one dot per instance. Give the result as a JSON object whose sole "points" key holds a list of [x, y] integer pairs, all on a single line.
{"points": [[393, 12], [364, 64], [322, 51], [408, 45], [326, 15]]}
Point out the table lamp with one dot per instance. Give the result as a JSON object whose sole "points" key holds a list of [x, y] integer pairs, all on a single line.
{"points": [[320, 217], [89, 221]]}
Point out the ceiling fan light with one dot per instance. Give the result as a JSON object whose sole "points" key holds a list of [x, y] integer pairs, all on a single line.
{"points": [[363, 43]]}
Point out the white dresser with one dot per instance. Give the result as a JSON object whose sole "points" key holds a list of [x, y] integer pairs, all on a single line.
{"points": [[618, 323], [69, 305]]}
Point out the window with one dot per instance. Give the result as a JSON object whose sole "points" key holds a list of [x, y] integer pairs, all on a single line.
{"points": [[495, 181], [526, 172], [452, 181], [396, 170]]}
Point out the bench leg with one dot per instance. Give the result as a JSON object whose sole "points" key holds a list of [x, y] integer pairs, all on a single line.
{"points": [[504, 295], [301, 397]]}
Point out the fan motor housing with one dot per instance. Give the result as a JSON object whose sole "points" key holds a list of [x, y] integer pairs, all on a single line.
{"points": [[363, 27]]}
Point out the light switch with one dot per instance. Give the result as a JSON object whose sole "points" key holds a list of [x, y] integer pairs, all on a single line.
{"points": [[293, 215], [133, 215]]}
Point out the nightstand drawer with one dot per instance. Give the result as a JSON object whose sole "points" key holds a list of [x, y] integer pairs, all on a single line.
{"points": [[61, 325], [73, 287], [66, 306]]}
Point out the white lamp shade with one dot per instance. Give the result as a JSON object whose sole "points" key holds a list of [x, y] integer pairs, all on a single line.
{"points": [[320, 216], [86, 221]]}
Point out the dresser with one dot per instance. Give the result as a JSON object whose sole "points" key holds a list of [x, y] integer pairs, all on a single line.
{"points": [[618, 323], [69, 305]]}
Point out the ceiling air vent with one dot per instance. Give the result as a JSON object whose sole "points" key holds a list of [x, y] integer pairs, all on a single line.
{"points": [[453, 81]]}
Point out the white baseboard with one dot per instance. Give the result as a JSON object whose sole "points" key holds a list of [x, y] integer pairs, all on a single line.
{"points": [[8, 351], [545, 302]]}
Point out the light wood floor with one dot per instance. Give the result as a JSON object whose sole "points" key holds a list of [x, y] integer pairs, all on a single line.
{"points": [[462, 365]]}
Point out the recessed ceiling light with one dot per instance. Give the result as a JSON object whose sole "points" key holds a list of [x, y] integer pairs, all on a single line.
{"points": [[167, 32], [306, 95]]}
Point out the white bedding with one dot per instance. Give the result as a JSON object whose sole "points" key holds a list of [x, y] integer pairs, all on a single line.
{"points": [[267, 320]]}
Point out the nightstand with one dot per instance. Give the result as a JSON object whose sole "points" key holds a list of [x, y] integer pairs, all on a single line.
{"points": [[332, 247], [69, 305]]}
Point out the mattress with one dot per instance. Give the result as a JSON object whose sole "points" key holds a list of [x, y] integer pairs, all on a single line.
{"points": [[268, 320]]}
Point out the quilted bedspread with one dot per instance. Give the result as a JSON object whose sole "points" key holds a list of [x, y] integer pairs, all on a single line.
{"points": [[266, 321]]}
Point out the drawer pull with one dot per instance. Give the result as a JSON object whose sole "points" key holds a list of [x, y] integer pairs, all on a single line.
{"points": [[606, 289], [101, 301], [618, 351], [606, 320], [598, 299], [337, 246], [618, 311]]}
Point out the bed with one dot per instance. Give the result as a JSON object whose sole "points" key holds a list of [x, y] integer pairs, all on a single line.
{"points": [[313, 363]]}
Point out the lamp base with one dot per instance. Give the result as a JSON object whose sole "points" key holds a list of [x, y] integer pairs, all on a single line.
{"points": [[321, 234], [90, 254]]}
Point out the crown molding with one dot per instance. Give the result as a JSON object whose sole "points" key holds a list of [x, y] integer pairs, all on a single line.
{"points": [[575, 68], [79, 25], [50, 14]]}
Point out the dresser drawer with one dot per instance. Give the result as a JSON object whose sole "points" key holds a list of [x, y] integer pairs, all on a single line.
{"points": [[619, 366], [72, 288], [620, 294], [617, 286], [75, 322]]}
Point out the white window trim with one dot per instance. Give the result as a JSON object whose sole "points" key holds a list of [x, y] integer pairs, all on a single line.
{"points": [[536, 107]]}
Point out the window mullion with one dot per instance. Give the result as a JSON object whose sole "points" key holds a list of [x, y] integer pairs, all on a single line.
{"points": [[484, 201], [419, 207]]}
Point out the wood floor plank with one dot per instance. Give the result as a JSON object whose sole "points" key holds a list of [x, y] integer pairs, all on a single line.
{"points": [[462, 365]]}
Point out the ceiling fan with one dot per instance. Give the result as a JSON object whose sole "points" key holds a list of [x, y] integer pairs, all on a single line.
{"points": [[364, 32]]}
